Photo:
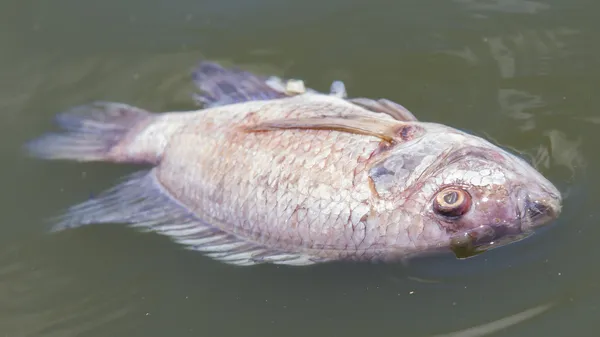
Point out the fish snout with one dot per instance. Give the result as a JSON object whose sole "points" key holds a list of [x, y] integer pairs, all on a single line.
{"points": [[538, 208], [535, 208]]}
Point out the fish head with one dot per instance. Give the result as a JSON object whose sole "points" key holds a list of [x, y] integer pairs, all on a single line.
{"points": [[467, 194], [486, 198]]}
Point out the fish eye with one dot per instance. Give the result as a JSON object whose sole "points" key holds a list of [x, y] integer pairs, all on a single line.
{"points": [[452, 202]]}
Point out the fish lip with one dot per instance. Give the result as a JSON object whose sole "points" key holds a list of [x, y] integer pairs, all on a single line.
{"points": [[485, 237], [485, 234]]}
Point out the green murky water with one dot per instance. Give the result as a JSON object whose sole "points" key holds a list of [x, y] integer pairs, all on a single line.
{"points": [[522, 73]]}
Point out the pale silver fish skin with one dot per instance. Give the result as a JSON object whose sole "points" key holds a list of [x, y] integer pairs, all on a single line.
{"points": [[309, 191], [293, 190]]}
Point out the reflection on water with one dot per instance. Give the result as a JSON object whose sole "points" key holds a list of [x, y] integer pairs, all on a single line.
{"points": [[509, 6], [530, 52], [500, 324], [565, 152], [516, 104], [522, 73], [35, 301]]}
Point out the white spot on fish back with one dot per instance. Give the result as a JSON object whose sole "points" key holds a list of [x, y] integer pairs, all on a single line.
{"points": [[294, 86], [338, 89]]}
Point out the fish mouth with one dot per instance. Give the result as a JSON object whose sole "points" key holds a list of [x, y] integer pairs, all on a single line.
{"points": [[533, 211], [485, 237]]}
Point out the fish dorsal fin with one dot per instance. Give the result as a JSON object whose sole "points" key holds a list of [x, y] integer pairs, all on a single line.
{"points": [[386, 106], [391, 131], [222, 86]]}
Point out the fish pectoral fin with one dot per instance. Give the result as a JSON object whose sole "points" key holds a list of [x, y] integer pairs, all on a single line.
{"points": [[387, 130], [386, 106], [142, 202]]}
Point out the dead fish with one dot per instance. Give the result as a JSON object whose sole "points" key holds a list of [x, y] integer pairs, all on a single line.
{"points": [[263, 174]]}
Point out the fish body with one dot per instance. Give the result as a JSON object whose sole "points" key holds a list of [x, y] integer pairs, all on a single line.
{"points": [[263, 174]]}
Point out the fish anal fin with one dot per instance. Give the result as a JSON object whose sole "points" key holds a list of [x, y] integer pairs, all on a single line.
{"points": [[386, 106], [390, 131], [142, 202]]}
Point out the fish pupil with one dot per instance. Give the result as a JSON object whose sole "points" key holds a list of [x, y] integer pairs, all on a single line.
{"points": [[451, 198]]}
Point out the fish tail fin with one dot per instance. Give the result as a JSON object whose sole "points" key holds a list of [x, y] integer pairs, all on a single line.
{"points": [[92, 132]]}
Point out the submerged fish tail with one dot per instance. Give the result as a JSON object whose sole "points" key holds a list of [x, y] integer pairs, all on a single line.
{"points": [[98, 131]]}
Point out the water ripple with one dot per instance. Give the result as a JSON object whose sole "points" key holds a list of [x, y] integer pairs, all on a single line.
{"points": [[37, 300]]}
